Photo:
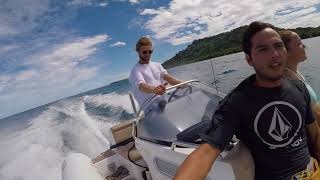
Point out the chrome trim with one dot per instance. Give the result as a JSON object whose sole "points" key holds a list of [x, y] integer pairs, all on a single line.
{"points": [[185, 144]]}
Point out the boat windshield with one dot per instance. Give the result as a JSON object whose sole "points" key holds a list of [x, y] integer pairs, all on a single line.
{"points": [[180, 114]]}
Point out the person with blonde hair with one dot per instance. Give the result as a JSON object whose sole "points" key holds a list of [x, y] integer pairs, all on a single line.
{"points": [[147, 77], [296, 55]]}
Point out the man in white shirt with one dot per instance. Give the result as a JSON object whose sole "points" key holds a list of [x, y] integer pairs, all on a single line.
{"points": [[146, 77]]}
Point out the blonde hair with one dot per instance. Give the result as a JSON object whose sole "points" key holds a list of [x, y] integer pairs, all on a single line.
{"points": [[143, 41], [286, 36]]}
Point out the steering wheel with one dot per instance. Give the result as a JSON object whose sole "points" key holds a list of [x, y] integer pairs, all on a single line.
{"points": [[174, 95]]}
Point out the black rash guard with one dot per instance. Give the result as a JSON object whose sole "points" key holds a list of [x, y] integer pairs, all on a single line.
{"points": [[270, 121]]}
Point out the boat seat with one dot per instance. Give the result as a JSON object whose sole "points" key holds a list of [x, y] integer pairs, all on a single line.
{"points": [[122, 132]]}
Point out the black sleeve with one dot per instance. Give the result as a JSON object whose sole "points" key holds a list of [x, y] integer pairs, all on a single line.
{"points": [[224, 124]]}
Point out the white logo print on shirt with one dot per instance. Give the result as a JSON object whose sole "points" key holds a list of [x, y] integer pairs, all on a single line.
{"points": [[280, 126], [277, 124]]}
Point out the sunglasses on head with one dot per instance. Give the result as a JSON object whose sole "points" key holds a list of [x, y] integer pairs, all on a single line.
{"points": [[145, 52]]}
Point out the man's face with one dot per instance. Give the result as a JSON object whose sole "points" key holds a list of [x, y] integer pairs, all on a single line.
{"points": [[268, 55], [145, 54]]}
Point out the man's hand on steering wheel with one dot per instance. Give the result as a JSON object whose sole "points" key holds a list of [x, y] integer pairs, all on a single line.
{"points": [[161, 89]]}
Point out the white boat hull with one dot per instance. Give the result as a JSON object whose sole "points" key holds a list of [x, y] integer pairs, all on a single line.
{"points": [[78, 166], [155, 134], [163, 162]]}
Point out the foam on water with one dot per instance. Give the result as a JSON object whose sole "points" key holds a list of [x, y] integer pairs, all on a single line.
{"points": [[113, 99], [37, 151], [33, 153], [75, 111]]}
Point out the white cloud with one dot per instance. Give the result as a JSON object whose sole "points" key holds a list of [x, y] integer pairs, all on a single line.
{"points": [[19, 16], [118, 44], [66, 54], [23, 16], [88, 3], [7, 48], [103, 4], [25, 75], [134, 1], [206, 17], [51, 73], [64, 60]]}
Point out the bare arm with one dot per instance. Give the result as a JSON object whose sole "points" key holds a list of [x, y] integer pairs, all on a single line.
{"points": [[146, 88], [314, 134], [152, 89], [198, 164], [171, 80], [316, 111]]}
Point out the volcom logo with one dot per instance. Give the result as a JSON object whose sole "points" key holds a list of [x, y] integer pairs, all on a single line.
{"points": [[277, 124], [280, 126]]}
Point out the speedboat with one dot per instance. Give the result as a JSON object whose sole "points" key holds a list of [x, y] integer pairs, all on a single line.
{"points": [[163, 133]]}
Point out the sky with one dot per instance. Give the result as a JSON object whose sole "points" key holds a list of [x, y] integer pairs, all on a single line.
{"points": [[51, 49]]}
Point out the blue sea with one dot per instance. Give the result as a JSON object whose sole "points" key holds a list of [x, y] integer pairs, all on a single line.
{"points": [[34, 143]]}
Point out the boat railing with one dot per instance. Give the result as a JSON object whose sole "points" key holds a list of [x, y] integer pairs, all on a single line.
{"points": [[183, 144], [138, 113], [133, 103], [168, 89]]}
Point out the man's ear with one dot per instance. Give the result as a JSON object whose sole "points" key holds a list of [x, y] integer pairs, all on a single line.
{"points": [[249, 59]]}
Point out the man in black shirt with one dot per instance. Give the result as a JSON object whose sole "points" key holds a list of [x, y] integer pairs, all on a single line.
{"points": [[268, 113]]}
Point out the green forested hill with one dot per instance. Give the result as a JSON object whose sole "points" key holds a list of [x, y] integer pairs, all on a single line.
{"points": [[220, 45]]}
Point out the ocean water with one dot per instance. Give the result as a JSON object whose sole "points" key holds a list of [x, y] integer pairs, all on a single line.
{"points": [[34, 143]]}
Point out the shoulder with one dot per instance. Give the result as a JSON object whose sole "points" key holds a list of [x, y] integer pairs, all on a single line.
{"points": [[135, 69], [297, 84], [155, 64], [297, 87], [290, 75], [239, 94], [243, 88]]}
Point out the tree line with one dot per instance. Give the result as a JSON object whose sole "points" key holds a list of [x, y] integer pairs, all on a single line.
{"points": [[222, 44]]}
